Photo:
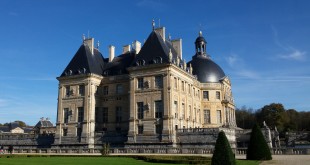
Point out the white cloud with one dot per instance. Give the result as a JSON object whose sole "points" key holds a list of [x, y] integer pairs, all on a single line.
{"points": [[231, 60], [290, 53], [296, 55], [239, 68]]}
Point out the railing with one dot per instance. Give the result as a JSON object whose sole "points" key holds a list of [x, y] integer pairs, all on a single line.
{"points": [[238, 151]]}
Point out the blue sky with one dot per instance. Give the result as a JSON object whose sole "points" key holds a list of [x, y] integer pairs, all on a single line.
{"points": [[263, 45]]}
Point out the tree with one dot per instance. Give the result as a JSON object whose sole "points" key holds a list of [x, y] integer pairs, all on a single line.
{"points": [[21, 123], [258, 148], [274, 115], [223, 154], [245, 117]]}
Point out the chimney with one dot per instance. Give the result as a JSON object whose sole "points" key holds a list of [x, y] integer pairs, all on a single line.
{"points": [[136, 46], [111, 53], [162, 32], [177, 45], [126, 49], [90, 43]]}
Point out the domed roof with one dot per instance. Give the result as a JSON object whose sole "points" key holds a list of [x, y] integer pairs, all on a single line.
{"points": [[200, 38], [206, 70]]}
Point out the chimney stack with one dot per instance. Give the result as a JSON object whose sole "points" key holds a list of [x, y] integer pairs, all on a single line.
{"points": [[90, 43], [126, 49], [177, 45], [111, 53], [136, 46], [162, 32]]}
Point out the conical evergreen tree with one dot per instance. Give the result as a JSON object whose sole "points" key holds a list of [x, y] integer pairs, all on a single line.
{"points": [[223, 154], [258, 148]]}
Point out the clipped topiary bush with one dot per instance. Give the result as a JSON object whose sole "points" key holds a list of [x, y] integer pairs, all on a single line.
{"points": [[258, 148], [223, 154]]}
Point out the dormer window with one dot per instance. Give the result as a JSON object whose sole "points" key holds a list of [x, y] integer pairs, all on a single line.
{"points": [[106, 73], [157, 60], [140, 63]]}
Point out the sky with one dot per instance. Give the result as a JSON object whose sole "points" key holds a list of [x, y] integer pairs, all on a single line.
{"points": [[262, 45]]}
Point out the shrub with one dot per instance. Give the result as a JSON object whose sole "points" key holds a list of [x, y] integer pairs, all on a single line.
{"points": [[223, 154], [258, 148]]}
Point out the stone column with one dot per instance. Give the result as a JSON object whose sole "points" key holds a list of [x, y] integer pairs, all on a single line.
{"points": [[132, 113]]}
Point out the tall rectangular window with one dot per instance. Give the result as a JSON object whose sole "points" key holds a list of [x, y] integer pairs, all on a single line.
{"points": [[218, 95], [189, 111], [158, 81], [158, 109], [140, 110], [118, 114], [66, 115], [206, 95], [219, 116], [189, 89], [119, 89], [183, 86], [175, 107], [183, 111], [67, 91], [65, 132], [105, 90], [140, 83], [206, 116], [175, 83], [140, 129], [80, 114], [81, 90], [105, 113], [97, 113], [159, 129]]}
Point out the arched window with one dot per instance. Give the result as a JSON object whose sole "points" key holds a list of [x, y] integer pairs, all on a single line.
{"points": [[140, 63], [157, 60]]}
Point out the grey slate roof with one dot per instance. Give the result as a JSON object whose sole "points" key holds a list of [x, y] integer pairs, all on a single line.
{"points": [[43, 123], [4, 129], [119, 64], [85, 62], [205, 69], [154, 47]]}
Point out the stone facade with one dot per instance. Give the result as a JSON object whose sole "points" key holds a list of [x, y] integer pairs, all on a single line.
{"points": [[141, 98]]}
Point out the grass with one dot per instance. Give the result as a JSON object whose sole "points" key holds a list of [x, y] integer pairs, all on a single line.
{"points": [[113, 160]]}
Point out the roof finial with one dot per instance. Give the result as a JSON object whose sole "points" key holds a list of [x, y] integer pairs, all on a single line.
{"points": [[83, 37], [159, 22], [170, 55], [200, 33], [153, 24], [98, 44]]}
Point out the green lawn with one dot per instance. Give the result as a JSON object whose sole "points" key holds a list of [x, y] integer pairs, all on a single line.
{"points": [[86, 161]]}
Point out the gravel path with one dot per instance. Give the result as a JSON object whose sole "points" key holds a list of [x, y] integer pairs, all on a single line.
{"points": [[288, 160]]}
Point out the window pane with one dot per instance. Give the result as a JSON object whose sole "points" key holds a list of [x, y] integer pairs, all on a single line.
{"points": [[140, 83], [158, 109], [158, 81], [66, 115], [206, 94], [80, 114], [219, 116], [140, 110], [81, 90], [119, 89]]}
